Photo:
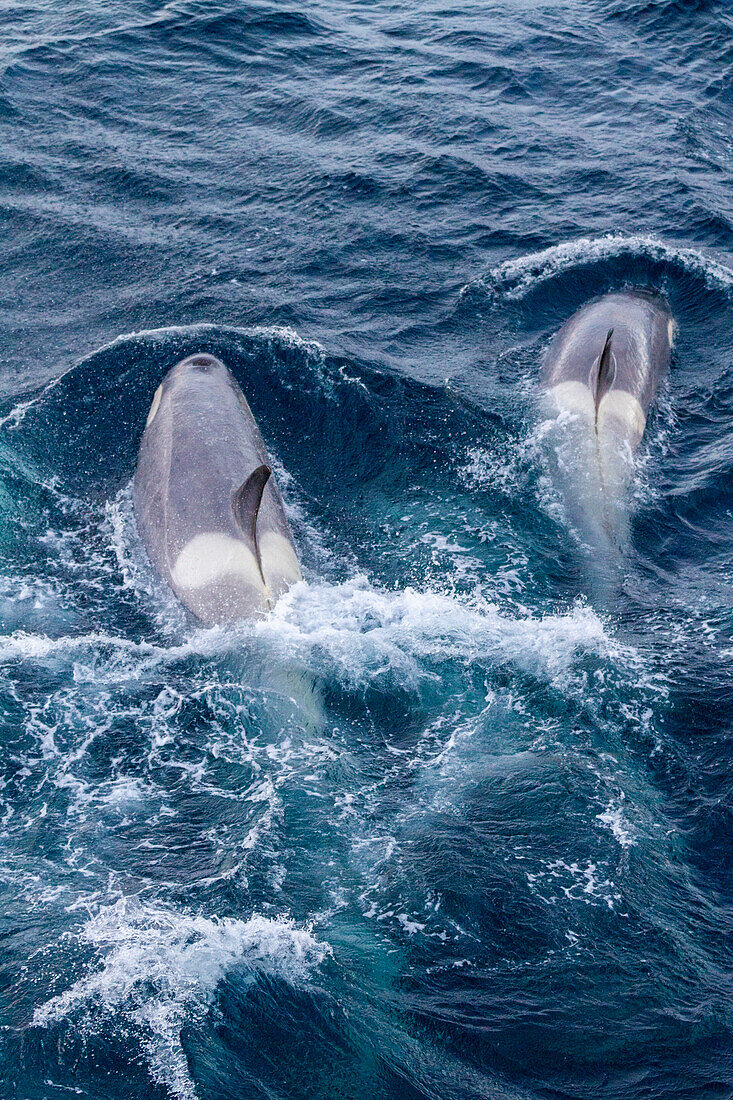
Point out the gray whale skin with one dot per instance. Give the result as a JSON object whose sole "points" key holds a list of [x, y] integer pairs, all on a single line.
{"points": [[605, 365], [207, 508]]}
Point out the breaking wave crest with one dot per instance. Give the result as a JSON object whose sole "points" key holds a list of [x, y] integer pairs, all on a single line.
{"points": [[160, 970], [515, 278]]}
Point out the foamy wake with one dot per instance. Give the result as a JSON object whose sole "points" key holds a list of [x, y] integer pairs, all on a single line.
{"points": [[365, 632], [351, 630], [514, 278], [160, 970]]}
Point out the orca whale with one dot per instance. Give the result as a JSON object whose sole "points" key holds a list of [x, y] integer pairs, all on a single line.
{"points": [[605, 366], [207, 507], [599, 378]]}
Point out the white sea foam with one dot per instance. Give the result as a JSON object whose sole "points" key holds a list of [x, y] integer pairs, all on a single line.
{"points": [[613, 819], [366, 631], [17, 413], [283, 334], [21, 645], [557, 880], [160, 969], [456, 562], [514, 278], [538, 463], [362, 632], [137, 574]]}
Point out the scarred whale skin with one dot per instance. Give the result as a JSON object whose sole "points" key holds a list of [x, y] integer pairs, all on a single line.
{"points": [[612, 391], [209, 513]]}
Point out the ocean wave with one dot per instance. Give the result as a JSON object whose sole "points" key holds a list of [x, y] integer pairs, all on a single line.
{"points": [[160, 969], [165, 336], [362, 631], [514, 279], [366, 631]]}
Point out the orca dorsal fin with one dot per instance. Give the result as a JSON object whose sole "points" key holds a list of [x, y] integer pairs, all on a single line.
{"points": [[606, 373], [246, 502]]}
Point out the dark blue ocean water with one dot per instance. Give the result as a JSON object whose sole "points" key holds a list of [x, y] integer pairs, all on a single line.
{"points": [[455, 822]]}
